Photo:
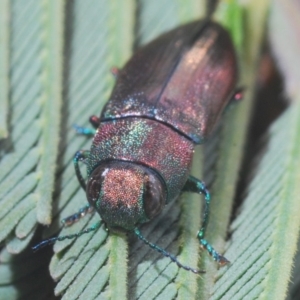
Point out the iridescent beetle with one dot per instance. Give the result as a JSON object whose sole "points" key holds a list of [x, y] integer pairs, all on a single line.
{"points": [[167, 99]]}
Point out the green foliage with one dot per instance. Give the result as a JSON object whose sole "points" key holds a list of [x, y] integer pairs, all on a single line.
{"points": [[56, 74], [4, 57]]}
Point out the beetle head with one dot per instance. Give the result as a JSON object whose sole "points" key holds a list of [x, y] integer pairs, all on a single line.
{"points": [[125, 194]]}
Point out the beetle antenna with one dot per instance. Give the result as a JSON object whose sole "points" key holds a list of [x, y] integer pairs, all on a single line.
{"points": [[165, 253], [64, 237]]}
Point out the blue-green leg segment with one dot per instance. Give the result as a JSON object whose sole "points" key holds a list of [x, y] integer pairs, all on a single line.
{"points": [[68, 221], [84, 130], [165, 253], [95, 121], [80, 156], [196, 186], [61, 238]]}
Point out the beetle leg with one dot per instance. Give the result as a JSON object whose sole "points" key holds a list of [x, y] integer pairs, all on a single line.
{"points": [[64, 237], [80, 155], [68, 221], [165, 253], [84, 130], [196, 186], [95, 121]]}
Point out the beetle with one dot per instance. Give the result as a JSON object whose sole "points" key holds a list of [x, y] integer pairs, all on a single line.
{"points": [[167, 99]]}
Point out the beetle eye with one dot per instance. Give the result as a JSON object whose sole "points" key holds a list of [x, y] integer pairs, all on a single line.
{"points": [[94, 185], [154, 195]]}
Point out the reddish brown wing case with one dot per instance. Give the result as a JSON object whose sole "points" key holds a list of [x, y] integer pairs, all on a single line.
{"points": [[184, 79]]}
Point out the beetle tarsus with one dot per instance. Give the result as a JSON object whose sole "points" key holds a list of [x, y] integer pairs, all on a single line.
{"points": [[65, 237], [84, 131], [221, 260], [43, 244], [166, 253], [68, 221]]}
